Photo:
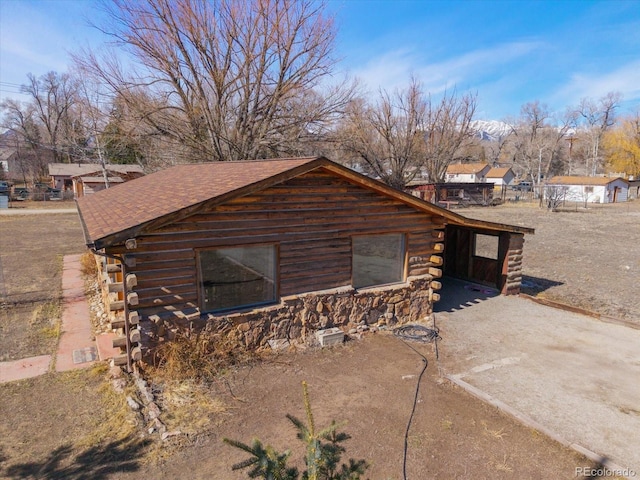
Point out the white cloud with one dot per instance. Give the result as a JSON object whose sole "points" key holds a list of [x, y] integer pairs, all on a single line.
{"points": [[393, 69], [625, 79]]}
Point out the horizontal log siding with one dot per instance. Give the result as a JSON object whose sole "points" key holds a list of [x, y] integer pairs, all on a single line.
{"points": [[311, 217]]}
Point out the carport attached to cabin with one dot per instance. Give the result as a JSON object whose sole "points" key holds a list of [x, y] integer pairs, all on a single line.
{"points": [[486, 256]]}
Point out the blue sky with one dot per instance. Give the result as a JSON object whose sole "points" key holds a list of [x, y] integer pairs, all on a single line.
{"points": [[509, 52]]}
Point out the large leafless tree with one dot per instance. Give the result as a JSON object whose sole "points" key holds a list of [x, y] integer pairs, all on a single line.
{"points": [[386, 137], [45, 121], [448, 132], [407, 134], [228, 79], [52, 97]]}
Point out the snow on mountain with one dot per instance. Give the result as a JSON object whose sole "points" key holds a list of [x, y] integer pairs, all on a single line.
{"points": [[491, 129]]}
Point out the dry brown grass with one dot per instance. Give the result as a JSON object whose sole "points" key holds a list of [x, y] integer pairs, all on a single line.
{"points": [[197, 357], [31, 252], [115, 421], [88, 265], [189, 407]]}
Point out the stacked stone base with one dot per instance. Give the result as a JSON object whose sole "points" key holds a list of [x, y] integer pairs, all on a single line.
{"points": [[297, 318]]}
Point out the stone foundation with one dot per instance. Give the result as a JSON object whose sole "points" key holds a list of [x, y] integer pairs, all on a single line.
{"points": [[297, 318]]}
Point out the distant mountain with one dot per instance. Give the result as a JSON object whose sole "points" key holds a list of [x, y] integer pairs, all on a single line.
{"points": [[491, 130]]}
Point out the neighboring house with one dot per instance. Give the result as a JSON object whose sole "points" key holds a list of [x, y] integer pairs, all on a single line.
{"points": [[277, 249], [467, 173], [84, 178], [8, 163], [453, 194], [500, 176], [590, 189]]}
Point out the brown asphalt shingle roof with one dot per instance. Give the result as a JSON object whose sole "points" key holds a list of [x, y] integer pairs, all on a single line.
{"points": [[466, 168], [578, 180], [153, 196], [498, 172], [110, 216]]}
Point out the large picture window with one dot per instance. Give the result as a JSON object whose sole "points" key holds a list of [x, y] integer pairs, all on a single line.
{"points": [[237, 277], [377, 259]]}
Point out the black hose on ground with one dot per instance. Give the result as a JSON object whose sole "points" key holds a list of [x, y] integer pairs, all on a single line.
{"points": [[422, 334]]}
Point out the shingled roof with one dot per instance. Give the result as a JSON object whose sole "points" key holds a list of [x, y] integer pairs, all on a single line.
{"points": [[578, 180], [114, 214], [84, 169], [466, 168], [498, 172]]}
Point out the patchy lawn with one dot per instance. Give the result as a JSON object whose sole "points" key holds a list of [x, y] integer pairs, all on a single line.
{"points": [[66, 426], [31, 251]]}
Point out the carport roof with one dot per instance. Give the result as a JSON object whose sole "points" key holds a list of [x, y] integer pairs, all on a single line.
{"points": [[149, 202]]}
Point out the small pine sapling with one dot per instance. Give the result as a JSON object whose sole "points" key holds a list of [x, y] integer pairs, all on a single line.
{"points": [[322, 453]]}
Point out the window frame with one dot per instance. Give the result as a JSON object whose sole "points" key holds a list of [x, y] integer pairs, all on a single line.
{"points": [[404, 260], [200, 286], [475, 245]]}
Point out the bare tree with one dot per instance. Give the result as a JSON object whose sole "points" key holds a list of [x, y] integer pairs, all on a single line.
{"points": [[93, 108], [52, 98], [555, 195], [447, 132], [32, 156], [407, 133], [228, 79], [387, 137], [536, 143], [597, 118]]}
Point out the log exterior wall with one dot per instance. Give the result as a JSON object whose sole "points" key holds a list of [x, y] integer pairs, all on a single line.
{"points": [[311, 218], [512, 266]]}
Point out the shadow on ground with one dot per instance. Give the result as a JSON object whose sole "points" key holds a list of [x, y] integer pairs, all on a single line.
{"points": [[458, 294], [535, 285], [96, 463]]}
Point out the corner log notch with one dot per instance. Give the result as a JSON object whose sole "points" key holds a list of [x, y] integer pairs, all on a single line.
{"points": [[118, 296]]}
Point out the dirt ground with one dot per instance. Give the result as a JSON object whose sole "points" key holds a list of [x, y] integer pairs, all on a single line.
{"points": [[588, 258], [369, 385], [50, 425], [31, 251]]}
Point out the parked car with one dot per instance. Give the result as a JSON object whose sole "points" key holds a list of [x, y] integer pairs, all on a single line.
{"points": [[523, 187], [4, 188], [20, 193], [44, 191]]}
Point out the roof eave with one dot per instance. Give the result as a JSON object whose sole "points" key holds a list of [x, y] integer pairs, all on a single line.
{"points": [[158, 222], [85, 232], [318, 162]]}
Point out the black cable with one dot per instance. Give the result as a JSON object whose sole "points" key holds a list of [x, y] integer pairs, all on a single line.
{"points": [[421, 334]]}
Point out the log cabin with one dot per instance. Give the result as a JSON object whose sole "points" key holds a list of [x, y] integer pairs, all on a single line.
{"points": [[277, 249]]}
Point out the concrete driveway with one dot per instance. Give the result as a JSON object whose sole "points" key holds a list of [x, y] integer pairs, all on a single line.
{"points": [[577, 376]]}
